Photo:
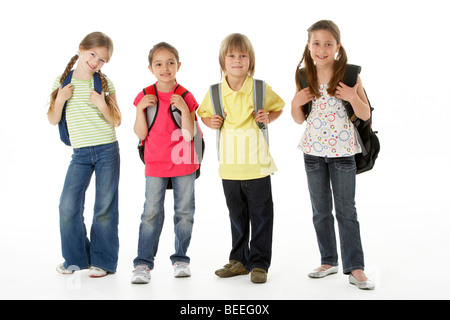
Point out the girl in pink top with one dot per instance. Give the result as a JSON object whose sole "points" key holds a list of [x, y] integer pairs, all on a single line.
{"points": [[169, 155]]}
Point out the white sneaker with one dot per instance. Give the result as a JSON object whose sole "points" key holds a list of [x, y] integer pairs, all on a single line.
{"points": [[141, 275], [181, 269], [322, 272], [60, 269], [95, 272]]}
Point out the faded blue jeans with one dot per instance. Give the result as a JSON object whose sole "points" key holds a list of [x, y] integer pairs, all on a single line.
{"points": [[152, 219], [330, 178], [103, 247]]}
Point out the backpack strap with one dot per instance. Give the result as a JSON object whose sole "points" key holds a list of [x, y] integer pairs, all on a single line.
{"points": [[97, 83], [68, 79], [259, 87], [151, 112], [259, 92], [350, 79], [351, 75], [176, 114], [259, 95], [199, 144], [303, 84], [216, 99], [62, 125]]}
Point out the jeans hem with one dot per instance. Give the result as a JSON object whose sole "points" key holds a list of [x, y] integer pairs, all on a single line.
{"points": [[347, 271], [250, 268], [333, 264], [104, 268]]}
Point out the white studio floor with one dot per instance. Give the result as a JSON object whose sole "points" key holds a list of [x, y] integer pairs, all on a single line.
{"points": [[403, 231]]}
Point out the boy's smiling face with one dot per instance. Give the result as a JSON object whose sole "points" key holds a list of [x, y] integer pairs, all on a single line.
{"points": [[237, 63]]}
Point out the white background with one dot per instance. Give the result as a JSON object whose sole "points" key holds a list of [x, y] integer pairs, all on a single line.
{"points": [[402, 204]]}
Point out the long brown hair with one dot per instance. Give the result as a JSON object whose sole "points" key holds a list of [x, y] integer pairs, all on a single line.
{"points": [[92, 40], [310, 68]]}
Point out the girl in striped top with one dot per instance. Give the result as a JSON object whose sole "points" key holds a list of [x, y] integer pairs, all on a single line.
{"points": [[91, 121]]}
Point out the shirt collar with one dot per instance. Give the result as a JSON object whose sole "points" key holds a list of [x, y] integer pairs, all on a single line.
{"points": [[247, 87]]}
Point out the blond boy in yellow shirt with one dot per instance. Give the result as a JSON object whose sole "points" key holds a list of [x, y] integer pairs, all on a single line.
{"points": [[244, 157]]}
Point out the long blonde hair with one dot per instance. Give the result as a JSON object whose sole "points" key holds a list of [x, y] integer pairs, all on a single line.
{"points": [[92, 40], [310, 68], [237, 41]]}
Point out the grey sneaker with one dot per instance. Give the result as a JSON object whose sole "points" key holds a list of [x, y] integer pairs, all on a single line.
{"points": [[141, 275], [234, 268], [181, 269]]}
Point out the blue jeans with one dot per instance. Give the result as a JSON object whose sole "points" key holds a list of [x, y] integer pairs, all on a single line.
{"points": [[341, 172], [250, 204], [102, 249], [152, 219]]}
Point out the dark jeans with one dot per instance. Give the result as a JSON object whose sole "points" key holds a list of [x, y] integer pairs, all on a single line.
{"points": [[250, 206], [341, 172]]}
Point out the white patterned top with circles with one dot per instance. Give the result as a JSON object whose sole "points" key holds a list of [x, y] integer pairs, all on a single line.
{"points": [[329, 132]]}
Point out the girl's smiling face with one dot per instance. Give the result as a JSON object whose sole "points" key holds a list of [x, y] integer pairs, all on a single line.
{"points": [[94, 59], [164, 66], [323, 47]]}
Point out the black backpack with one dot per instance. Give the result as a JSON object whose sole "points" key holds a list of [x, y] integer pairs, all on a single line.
{"points": [[368, 139], [199, 143]]}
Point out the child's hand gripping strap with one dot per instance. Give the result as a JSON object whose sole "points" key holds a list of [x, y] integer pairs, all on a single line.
{"points": [[216, 100], [259, 87], [62, 125]]}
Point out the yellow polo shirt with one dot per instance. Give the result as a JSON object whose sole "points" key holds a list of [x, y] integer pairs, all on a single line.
{"points": [[243, 151]]}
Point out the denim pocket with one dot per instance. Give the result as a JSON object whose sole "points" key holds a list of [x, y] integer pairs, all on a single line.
{"points": [[311, 162], [345, 163]]}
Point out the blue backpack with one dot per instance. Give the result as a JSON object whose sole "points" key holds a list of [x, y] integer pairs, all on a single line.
{"points": [[62, 125]]}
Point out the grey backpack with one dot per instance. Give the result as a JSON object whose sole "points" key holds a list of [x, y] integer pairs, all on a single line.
{"points": [[259, 95]]}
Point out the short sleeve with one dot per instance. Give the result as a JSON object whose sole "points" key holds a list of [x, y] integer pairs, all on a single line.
{"points": [[191, 102], [138, 98], [57, 83], [272, 101], [111, 87], [206, 110]]}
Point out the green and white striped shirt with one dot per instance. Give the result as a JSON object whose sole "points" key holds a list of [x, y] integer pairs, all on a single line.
{"points": [[87, 125]]}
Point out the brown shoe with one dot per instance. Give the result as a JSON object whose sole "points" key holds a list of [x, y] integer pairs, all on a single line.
{"points": [[259, 275], [234, 268]]}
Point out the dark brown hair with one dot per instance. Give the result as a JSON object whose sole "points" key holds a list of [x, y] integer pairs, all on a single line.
{"points": [[163, 45], [310, 68]]}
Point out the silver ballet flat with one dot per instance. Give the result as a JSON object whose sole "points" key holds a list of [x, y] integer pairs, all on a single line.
{"points": [[364, 285], [322, 272]]}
